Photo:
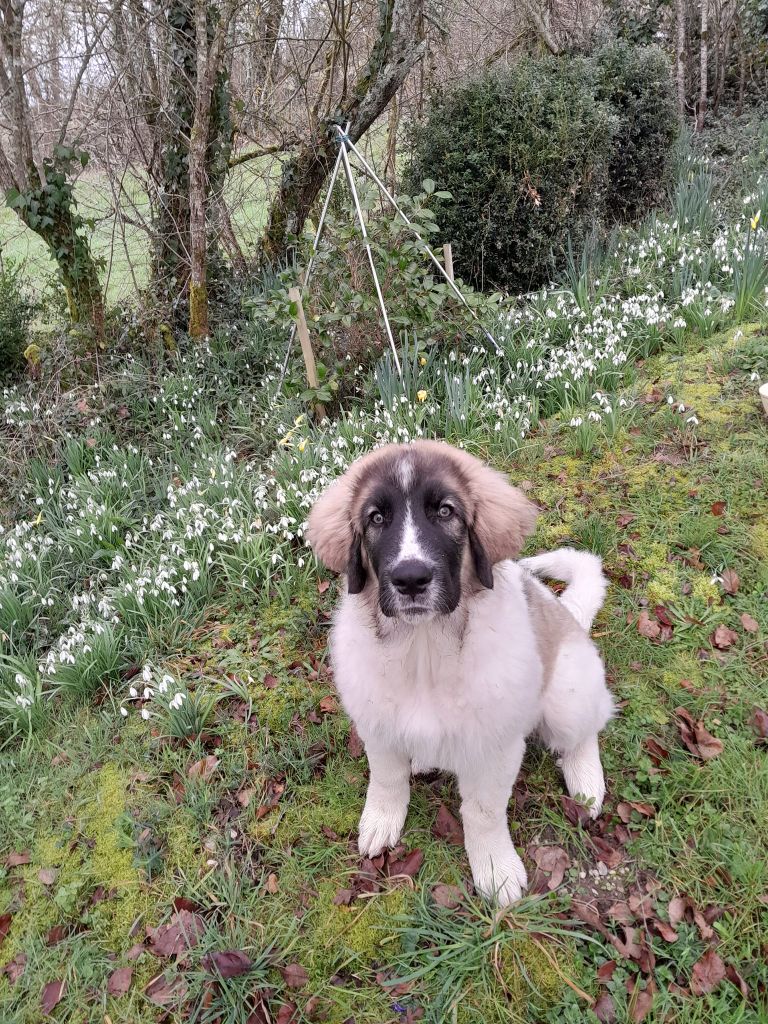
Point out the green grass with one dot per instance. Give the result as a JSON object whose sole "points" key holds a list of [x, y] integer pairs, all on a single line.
{"points": [[123, 248], [110, 805]]}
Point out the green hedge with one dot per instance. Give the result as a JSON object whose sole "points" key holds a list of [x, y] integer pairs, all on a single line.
{"points": [[538, 154], [637, 82]]}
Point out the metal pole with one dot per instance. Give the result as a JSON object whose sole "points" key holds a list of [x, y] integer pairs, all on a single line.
{"points": [[310, 262], [369, 170], [367, 244]]}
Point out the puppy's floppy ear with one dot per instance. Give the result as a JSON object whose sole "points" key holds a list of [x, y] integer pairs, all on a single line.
{"points": [[503, 518], [329, 529], [356, 571]]}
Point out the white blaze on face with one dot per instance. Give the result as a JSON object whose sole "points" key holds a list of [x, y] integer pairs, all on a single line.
{"points": [[405, 474], [410, 542]]}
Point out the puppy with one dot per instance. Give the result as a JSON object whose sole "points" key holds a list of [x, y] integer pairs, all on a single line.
{"points": [[447, 654]]}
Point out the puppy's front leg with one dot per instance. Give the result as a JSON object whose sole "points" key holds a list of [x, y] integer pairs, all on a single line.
{"points": [[485, 788], [386, 804]]}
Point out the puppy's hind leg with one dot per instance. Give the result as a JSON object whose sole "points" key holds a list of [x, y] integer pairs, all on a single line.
{"points": [[577, 705]]}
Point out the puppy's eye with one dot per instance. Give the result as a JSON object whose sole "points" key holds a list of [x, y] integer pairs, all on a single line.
{"points": [[376, 518], [445, 511]]}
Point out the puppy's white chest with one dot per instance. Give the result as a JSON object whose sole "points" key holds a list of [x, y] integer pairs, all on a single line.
{"points": [[440, 697]]}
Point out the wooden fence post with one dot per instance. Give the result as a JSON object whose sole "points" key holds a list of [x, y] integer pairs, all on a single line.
{"points": [[294, 294], [448, 259]]}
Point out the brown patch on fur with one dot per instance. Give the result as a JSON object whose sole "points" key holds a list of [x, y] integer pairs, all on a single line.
{"points": [[500, 515], [551, 623]]}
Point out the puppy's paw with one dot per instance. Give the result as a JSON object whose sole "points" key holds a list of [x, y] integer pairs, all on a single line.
{"points": [[380, 827], [501, 879]]}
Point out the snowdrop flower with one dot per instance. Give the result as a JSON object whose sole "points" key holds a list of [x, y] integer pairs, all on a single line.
{"points": [[133, 692], [693, 421], [145, 714], [123, 711]]}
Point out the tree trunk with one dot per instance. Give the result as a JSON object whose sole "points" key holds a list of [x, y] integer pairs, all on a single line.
{"points": [[722, 68], [703, 66], [390, 167], [742, 76], [680, 55], [206, 154], [398, 48], [198, 228]]}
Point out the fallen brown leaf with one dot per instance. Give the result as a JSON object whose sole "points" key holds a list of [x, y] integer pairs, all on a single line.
{"points": [[729, 580], [48, 876], [624, 810], [641, 1001], [119, 981], [230, 963], [696, 737], [736, 979], [576, 813], [723, 638], [204, 768], [657, 752], [604, 1009], [448, 827], [322, 586], [269, 681], [275, 789], [182, 932], [5, 925], [163, 992], [16, 860], [294, 976], [555, 861], [408, 865], [647, 627], [286, 1013], [718, 508], [749, 623], [355, 746], [14, 968], [606, 971], [448, 896], [707, 973], [759, 722], [53, 993], [329, 705]]}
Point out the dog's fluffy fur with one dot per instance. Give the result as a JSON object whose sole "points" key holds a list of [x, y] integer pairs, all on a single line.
{"points": [[448, 654]]}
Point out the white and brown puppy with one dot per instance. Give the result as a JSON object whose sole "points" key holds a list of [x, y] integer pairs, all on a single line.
{"points": [[447, 654]]}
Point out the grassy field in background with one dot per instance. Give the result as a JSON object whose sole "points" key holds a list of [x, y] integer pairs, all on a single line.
{"points": [[220, 881], [124, 248]]}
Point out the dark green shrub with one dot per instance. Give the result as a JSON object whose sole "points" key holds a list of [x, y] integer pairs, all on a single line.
{"points": [[16, 313], [525, 154], [637, 82]]}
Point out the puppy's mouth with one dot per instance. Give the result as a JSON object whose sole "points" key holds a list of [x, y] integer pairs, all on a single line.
{"points": [[421, 608]]}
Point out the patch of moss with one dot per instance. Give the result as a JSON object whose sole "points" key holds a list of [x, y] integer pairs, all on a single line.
{"points": [[183, 853], [522, 984], [362, 933], [335, 801], [665, 585], [759, 540], [276, 707], [704, 590], [111, 861]]}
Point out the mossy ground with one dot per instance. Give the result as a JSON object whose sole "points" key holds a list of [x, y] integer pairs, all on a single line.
{"points": [[670, 505]]}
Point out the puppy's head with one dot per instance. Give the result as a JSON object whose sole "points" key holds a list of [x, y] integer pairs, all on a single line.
{"points": [[419, 522]]}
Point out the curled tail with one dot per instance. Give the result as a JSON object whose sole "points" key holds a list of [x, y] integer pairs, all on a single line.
{"points": [[582, 571]]}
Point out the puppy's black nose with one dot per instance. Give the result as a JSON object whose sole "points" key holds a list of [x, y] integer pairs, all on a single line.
{"points": [[412, 577]]}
